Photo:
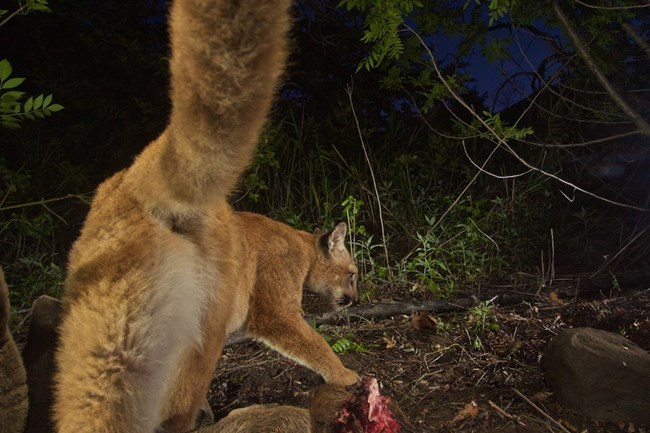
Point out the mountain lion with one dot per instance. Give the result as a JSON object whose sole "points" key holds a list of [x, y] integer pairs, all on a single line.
{"points": [[155, 279], [333, 408], [323, 415], [277, 261], [13, 380]]}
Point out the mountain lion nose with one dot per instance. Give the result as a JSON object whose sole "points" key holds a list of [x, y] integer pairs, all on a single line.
{"points": [[347, 300]]}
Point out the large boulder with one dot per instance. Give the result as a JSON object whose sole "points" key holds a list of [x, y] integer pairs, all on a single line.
{"points": [[600, 374]]}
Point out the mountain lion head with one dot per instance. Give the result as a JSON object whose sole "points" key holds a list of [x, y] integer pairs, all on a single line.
{"points": [[334, 275]]}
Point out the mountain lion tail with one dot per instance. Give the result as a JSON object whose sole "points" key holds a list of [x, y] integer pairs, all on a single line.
{"points": [[226, 58]]}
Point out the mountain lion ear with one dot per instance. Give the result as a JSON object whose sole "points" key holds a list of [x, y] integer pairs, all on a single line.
{"points": [[336, 239], [317, 231]]}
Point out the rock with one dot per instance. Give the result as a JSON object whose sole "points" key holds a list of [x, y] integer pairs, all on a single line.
{"points": [[600, 374]]}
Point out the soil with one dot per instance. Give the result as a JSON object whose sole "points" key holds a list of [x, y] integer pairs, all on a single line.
{"points": [[473, 370]]}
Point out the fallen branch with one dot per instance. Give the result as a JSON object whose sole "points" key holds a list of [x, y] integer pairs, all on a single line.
{"points": [[505, 414], [540, 411], [392, 309]]}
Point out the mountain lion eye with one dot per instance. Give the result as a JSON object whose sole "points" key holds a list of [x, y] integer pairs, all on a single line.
{"points": [[351, 276]]}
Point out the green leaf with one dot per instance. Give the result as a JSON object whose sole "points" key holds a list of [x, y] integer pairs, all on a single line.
{"points": [[12, 83], [9, 123], [55, 107], [342, 345], [28, 105], [11, 96], [47, 100], [38, 102], [39, 114], [40, 8], [5, 69], [38, 5]]}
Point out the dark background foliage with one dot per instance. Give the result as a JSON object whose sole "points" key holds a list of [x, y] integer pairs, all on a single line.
{"points": [[443, 222]]}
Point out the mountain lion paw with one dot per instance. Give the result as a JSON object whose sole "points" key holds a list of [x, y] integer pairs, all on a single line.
{"points": [[348, 377]]}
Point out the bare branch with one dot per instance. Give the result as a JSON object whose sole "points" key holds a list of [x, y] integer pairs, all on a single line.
{"points": [[374, 182], [502, 142], [643, 126], [611, 7], [642, 43], [584, 143], [489, 173]]}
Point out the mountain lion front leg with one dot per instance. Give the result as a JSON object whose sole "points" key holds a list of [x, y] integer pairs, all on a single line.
{"points": [[289, 334]]}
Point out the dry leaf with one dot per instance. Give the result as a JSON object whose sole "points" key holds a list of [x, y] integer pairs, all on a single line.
{"points": [[555, 298], [568, 425], [469, 411], [541, 396], [424, 321], [390, 343]]}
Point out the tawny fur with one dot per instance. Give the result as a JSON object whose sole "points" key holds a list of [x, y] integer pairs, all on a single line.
{"points": [[252, 419], [263, 419], [279, 260], [270, 418], [13, 379], [276, 263], [153, 276]]}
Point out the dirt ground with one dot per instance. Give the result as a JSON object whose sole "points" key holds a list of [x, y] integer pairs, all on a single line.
{"points": [[474, 370]]}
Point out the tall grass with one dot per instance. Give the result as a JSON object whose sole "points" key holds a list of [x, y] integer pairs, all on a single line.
{"points": [[309, 174]]}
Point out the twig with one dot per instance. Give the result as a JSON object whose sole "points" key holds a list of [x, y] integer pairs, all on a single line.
{"points": [[462, 193], [635, 36], [538, 409], [489, 173], [374, 181], [43, 202], [505, 414], [592, 6], [638, 120], [619, 252], [502, 142]]}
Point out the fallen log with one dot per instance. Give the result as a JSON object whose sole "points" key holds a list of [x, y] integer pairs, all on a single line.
{"points": [[383, 310]]}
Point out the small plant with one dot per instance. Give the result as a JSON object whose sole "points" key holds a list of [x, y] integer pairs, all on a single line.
{"points": [[428, 268], [346, 344], [14, 108], [351, 208], [441, 326], [480, 317], [383, 22], [363, 247], [616, 286], [256, 180], [24, 7]]}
